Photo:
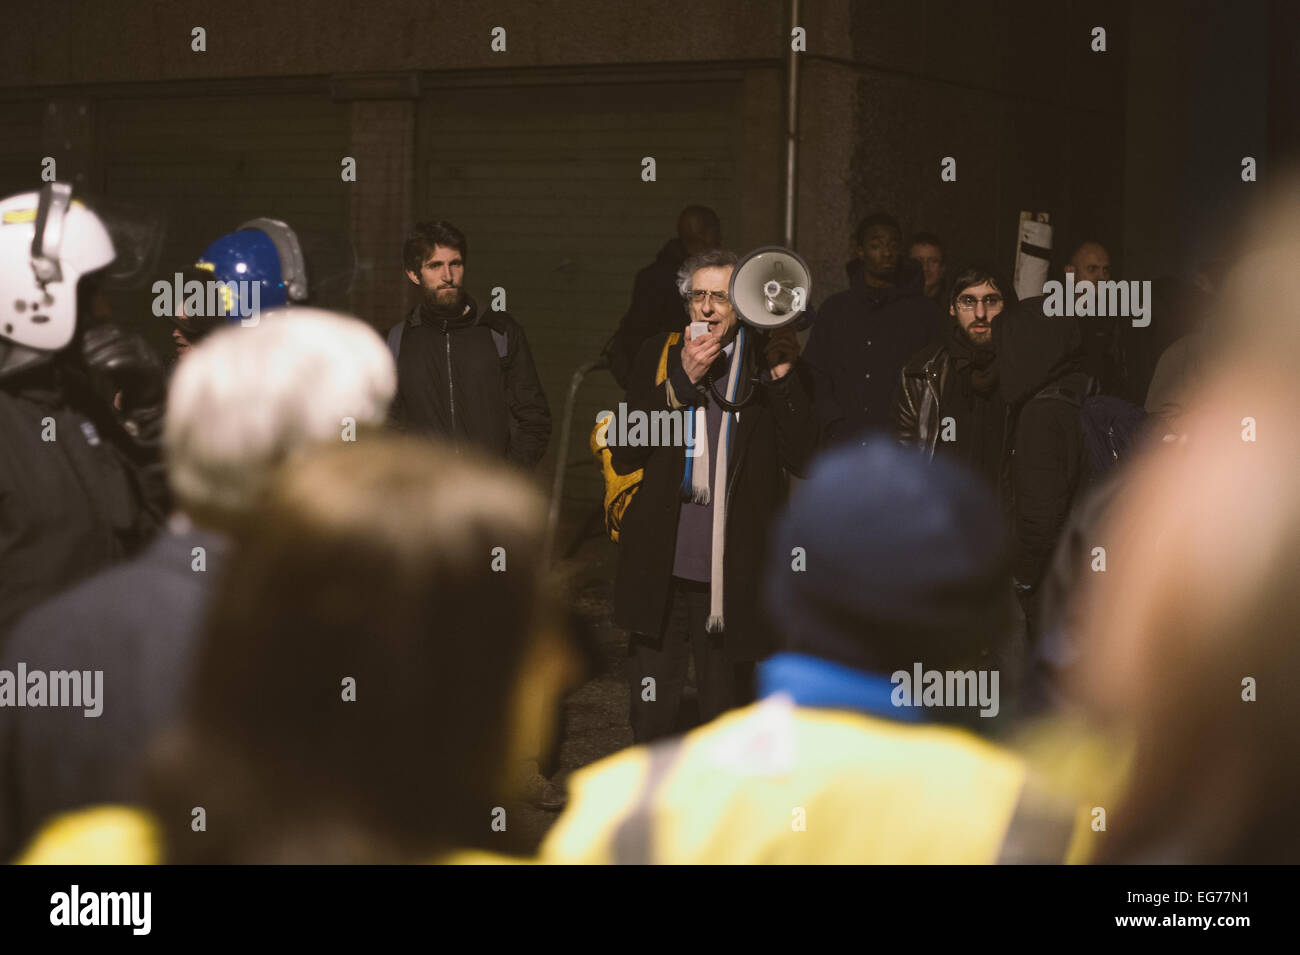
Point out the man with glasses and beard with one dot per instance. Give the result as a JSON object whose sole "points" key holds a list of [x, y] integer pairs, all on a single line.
{"points": [[463, 374], [948, 394]]}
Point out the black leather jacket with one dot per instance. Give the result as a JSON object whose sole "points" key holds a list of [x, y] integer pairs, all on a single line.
{"points": [[915, 421]]}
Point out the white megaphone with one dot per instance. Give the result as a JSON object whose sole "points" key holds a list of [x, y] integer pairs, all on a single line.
{"points": [[769, 290], [770, 287]]}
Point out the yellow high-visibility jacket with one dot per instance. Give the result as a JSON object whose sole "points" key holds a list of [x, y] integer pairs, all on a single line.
{"points": [[121, 835], [779, 783]]}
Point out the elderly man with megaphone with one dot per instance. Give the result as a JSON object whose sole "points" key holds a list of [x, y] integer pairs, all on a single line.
{"points": [[692, 538]]}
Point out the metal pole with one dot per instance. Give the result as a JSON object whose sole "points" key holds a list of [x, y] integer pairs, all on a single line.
{"points": [[791, 125], [562, 453]]}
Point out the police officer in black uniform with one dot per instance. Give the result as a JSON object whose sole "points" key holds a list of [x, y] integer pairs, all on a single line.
{"points": [[81, 402]]}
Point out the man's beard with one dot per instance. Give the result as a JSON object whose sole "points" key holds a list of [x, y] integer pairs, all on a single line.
{"points": [[444, 305], [986, 336]]}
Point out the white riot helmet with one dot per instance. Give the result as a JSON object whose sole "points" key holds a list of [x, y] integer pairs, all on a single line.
{"points": [[48, 241]]}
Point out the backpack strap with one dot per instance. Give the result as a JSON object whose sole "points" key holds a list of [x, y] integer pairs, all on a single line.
{"points": [[1073, 389], [499, 339], [395, 339], [500, 336], [502, 342]]}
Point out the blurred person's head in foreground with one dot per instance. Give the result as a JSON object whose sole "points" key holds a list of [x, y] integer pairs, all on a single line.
{"points": [[369, 668], [248, 398], [1195, 649], [907, 564]]}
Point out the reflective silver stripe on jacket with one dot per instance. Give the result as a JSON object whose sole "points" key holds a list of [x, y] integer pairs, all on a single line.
{"points": [[1040, 829], [634, 837]]}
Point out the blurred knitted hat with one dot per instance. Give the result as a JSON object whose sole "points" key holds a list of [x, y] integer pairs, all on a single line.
{"points": [[906, 561]]}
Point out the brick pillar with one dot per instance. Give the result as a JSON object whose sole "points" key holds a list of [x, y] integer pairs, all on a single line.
{"points": [[381, 198]]}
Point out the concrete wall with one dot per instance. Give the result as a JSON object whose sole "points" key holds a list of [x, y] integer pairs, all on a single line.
{"points": [[67, 41], [1013, 92], [1010, 89]]}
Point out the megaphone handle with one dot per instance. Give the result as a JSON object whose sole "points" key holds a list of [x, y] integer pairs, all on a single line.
{"points": [[726, 405]]}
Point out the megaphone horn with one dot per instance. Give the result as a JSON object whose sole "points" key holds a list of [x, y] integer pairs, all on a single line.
{"points": [[770, 287]]}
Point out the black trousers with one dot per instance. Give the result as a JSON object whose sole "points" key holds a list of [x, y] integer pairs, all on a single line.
{"points": [[721, 684]]}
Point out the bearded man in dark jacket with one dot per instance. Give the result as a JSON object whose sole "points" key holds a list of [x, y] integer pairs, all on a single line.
{"points": [[693, 538], [1002, 394], [947, 397], [464, 375]]}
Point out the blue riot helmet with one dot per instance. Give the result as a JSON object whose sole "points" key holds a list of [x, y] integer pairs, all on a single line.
{"points": [[262, 251]]}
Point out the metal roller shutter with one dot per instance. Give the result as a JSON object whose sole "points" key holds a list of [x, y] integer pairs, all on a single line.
{"points": [[212, 162], [21, 146]]}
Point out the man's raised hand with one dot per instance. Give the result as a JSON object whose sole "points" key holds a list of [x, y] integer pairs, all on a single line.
{"points": [[699, 354]]}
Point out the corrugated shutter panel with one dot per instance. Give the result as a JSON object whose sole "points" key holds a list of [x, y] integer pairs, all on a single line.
{"points": [[21, 146], [545, 181], [212, 162]]}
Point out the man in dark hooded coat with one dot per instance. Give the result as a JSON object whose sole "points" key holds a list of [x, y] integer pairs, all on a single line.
{"points": [[656, 307], [1042, 383]]}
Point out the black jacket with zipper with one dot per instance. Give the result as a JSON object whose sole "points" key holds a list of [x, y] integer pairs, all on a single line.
{"points": [[453, 381], [860, 339], [916, 400], [776, 432], [1043, 444]]}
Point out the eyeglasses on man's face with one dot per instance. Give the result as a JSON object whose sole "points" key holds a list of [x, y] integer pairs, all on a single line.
{"points": [[719, 299], [967, 303]]}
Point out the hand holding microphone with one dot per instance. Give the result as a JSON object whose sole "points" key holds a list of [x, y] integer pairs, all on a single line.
{"points": [[699, 352]]}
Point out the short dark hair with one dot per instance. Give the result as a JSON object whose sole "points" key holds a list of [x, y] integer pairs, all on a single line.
{"points": [[977, 273], [421, 240], [875, 219], [926, 238]]}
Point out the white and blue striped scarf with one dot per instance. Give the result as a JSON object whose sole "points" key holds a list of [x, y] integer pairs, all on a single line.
{"points": [[695, 480]]}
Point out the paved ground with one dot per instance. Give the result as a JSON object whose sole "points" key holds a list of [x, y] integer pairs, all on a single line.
{"points": [[595, 715]]}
